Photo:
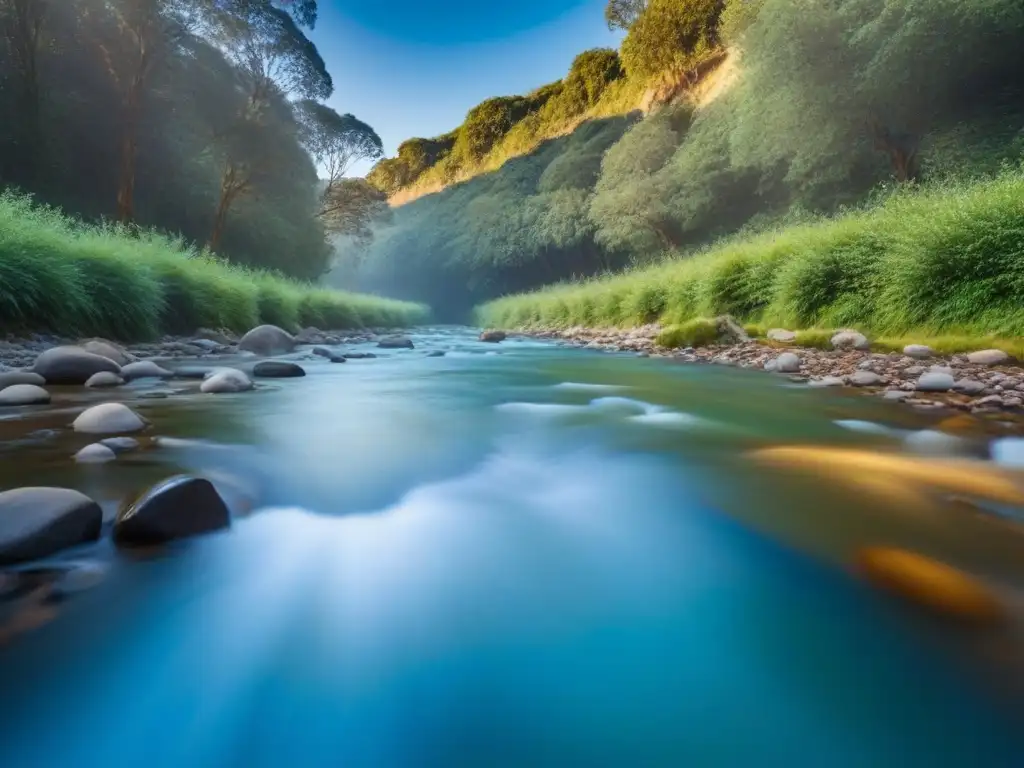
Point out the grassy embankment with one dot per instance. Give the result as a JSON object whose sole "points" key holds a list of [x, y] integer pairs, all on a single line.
{"points": [[59, 275], [942, 265]]}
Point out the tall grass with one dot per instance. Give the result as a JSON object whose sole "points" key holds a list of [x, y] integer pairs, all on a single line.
{"points": [[59, 275], [943, 260]]}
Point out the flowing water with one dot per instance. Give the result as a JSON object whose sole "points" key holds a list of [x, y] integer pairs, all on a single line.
{"points": [[525, 555]]}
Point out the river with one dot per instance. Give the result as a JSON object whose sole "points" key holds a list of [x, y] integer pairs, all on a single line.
{"points": [[521, 554]]}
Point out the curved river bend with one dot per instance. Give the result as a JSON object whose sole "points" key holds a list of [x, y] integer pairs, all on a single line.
{"points": [[524, 555]]}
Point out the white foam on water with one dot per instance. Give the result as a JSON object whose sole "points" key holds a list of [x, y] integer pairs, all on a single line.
{"points": [[865, 427], [541, 409], [625, 404], [576, 386], [931, 442], [670, 419]]}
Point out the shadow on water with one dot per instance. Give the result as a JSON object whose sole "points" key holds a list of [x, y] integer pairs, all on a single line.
{"points": [[534, 557]]}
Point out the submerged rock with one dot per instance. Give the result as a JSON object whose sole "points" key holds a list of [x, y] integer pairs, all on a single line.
{"points": [[194, 372], [827, 381], [95, 453], [104, 379], [276, 369], [493, 336], [144, 370], [36, 522], [177, 508], [988, 357], [933, 585], [226, 381], [71, 365], [24, 394], [436, 353], [108, 349], [120, 444], [331, 355], [359, 356], [396, 342], [10, 378], [109, 418], [267, 340]]}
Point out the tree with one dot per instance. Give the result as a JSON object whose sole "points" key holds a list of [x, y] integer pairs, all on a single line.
{"points": [[621, 14], [351, 207], [672, 36], [275, 60], [590, 74], [22, 23], [335, 141], [488, 122]]}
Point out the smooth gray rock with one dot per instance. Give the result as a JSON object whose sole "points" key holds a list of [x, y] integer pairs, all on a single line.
{"points": [[104, 379], [771, 366], [969, 387], [71, 365], [10, 378], [277, 369], [988, 357], [226, 381], [267, 340], [865, 379], [914, 370], [850, 340], [787, 362], [944, 369], [396, 342], [781, 335], [177, 508], [827, 381], [207, 345], [108, 419], [935, 381], [37, 522], [918, 351], [896, 394], [24, 394], [95, 453], [120, 444], [145, 369], [108, 349]]}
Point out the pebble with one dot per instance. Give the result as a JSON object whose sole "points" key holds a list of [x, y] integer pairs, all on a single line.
{"points": [[104, 379], [24, 394], [865, 379], [109, 418], [918, 351], [935, 381], [95, 453]]}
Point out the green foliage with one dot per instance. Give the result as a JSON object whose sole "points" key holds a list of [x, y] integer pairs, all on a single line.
{"points": [[621, 14], [487, 123], [698, 332], [589, 76], [737, 17], [59, 275], [671, 35], [946, 260]]}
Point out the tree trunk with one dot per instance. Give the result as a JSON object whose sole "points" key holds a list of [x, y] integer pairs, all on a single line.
{"points": [[230, 187]]}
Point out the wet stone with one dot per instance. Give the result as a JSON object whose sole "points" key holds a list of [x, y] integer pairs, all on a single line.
{"points": [[179, 507]]}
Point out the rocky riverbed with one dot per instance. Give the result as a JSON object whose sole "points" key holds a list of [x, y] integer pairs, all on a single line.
{"points": [[984, 383]]}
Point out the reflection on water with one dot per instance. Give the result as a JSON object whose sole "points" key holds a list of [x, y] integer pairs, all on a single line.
{"points": [[538, 557]]}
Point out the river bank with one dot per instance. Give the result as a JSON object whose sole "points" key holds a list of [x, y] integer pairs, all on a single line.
{"points": [[923, 379]]}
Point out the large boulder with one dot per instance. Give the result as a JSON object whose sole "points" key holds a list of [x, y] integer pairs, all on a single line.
{"points": [[104, 379], [935, 381], [918, 351], [224, 381], [849, 339], [988, 357], [395, 342], [36, 522], [277, 369], [108, 349], [72, 365], [177, 508], [493, 336], [108, 419], [10, 378], [146, 369], [24, 394], [787, 362], [267, 340]]}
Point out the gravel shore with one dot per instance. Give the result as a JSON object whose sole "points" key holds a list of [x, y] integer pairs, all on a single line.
{"points": [[926, 381]]}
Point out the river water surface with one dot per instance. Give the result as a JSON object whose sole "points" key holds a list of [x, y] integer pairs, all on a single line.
{"points": [[524, 555]]}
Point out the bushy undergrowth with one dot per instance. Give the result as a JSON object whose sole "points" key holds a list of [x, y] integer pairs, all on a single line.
{"points": [[61, 276], [946, 260]]}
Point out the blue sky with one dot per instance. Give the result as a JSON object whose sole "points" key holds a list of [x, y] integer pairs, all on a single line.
{"points": [[414, 67]]}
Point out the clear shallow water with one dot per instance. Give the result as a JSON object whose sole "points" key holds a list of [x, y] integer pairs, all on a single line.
{"points": [[537, 557]]}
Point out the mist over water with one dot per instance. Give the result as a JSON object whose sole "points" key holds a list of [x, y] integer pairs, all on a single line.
{"points": [[536, 557]]}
